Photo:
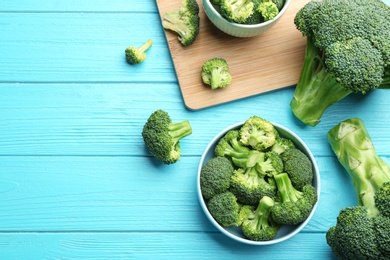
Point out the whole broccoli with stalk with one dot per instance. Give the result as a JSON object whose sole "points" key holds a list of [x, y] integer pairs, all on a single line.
{"points": [[347, 51], [136, 55], [162, 136], [362, 231], [184, 21], [215, 72]]}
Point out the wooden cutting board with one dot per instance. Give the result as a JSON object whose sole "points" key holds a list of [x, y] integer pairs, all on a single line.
{"points": [[258, 64]]}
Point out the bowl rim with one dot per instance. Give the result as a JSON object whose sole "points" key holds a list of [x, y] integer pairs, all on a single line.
{"points": [[247, 26], [223, 230]]}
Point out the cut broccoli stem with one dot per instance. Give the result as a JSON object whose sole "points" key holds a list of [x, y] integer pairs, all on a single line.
{"points": [[286, 189], [179, 130], [215, 77], [316, 89]]}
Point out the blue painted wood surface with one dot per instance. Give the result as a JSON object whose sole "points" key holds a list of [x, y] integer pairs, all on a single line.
{"points": [[76, 180]]}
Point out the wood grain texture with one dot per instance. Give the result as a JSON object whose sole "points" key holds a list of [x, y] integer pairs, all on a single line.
{"points": [[258, 64]]}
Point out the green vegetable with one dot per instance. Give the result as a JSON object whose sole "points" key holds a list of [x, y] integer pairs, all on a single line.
{"points": [[294, 206], [136, 55], [282, 144], [362, 231], [347, 51], [184, 21], [257, 223], [237, 11], [268, 10], [224, 208], [279, 3], [215, 176], [257, 133], [162, 136], [298, 167], [215, 72]]}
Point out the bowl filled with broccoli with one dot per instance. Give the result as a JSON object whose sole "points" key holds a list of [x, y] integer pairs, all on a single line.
{"points": [[258, 182], [245, 18]]}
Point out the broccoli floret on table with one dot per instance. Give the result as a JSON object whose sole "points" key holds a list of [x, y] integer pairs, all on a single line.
{"points": [[256, 221], [298, 166], [258, 133], [162, 136], [215, 72], [184, 21], [136, 55], [293, 206], [361, 231], [215, 176], [347, 51], [224, 208], [237, 11]]}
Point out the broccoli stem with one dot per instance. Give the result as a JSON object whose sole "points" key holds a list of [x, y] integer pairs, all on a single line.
{"points": [[286, 189], [146, 46], [262, 214], [316, 89], [215, 77], [179, 130], [352, 145]]}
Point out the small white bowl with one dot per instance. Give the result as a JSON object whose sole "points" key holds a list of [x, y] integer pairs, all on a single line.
{"points": [[240, 30], [285, 231]]}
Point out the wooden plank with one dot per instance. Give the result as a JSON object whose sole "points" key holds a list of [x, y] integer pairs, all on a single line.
{"points": [[259, 64], [166, 245]]}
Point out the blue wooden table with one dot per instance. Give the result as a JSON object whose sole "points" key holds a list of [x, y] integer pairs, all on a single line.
{"points": [[76, 181]]}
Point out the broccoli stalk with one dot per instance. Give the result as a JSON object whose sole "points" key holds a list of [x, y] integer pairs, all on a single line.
{"points": [[341, 56], [162, 136], [136, 55], [257, 224], [215, 72], [361, 231]]}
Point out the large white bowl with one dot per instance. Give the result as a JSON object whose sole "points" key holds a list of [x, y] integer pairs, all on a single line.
{"points": [[285, 231], [240, 30]]}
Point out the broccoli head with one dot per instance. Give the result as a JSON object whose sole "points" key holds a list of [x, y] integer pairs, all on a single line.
{"points": [[224, 208], [268, 10], [293, 206], [136, 55], [279, 4], [257, 133], [347, 51], [184, 21], [215, 176], [282, 144], [162, 136], [361, 231], [237, 11], [215, 72], [257, 223], [298, 167]]}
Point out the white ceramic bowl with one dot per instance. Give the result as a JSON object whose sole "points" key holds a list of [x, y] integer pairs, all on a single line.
{"points": [[285, 231], [240, 30]]}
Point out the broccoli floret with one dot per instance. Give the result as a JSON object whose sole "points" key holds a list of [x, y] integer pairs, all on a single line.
{"points": [[279, 4], [215, 176], [215, 72], [268, 10], [224, 208], [298, 166], [258, 224], [237, 11], [293, 206], [257, 133], [229, 146], [362, 231], [347, 51], [282, 144], [162, 136], [184, 21], [136, 55]]}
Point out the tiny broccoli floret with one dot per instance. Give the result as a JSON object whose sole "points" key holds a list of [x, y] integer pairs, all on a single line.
{"points": [[224, 209], [215, 72], [298, 166], [347, 51], [215, 176], [257, 133], [237, 11], [162, 136], [282, 144], [258, 224], [268, 10], [361, 231], [136, 55], [294, 206], [184, 21]]}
